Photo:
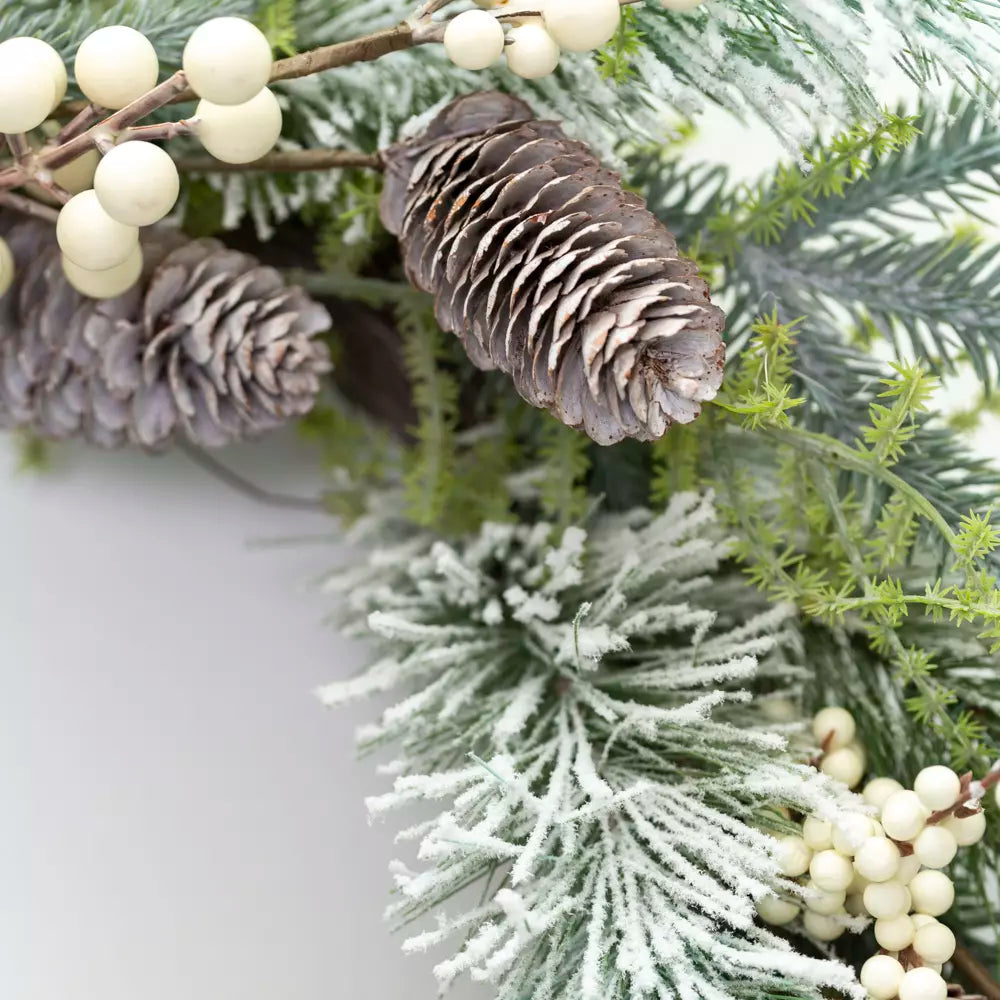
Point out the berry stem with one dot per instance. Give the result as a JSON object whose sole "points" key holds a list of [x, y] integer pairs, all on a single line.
{"points": [[157, 133], [425, 10], [19, 148], [28, 206], [290, 161], [119, 121], [90, 115]]}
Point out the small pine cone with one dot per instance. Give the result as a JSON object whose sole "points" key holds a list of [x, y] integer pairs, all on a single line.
{"points": [[210, 345], [548, 270]]}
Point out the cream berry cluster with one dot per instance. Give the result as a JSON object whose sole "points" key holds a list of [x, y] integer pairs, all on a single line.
{"points": [[227, 62], [534, 43], [885, 866]]}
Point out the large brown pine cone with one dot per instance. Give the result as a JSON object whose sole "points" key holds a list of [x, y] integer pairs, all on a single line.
{"points": [[210, 345], [548, 270]]}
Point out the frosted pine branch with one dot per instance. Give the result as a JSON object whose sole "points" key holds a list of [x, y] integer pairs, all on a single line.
{"points": [[605, 770]]}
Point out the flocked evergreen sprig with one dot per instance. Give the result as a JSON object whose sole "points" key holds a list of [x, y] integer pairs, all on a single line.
{"points": [[579, 707]]}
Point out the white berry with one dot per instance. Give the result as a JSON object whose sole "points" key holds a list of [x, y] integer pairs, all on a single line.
{"points": [[228, 60], [35, 50], [78, 174], [881, 976], [240, 133], [923, 984], [821, 927], [934, 943], [107, 284], [27, 92], [922, 919], [908, 868], [938, 787], [968, 830], [776, 911], [90, 237], [896, 933], [886, 900], [532, 52], [833, 728], [474, 39], [116, 66], [855, 905], [6, 267], [817, 833], [933, 892], [831, 871], [935, 846], [858, 884], [850, 832], [582, 25], [878, 790], [903, 815], [792, 856], [826, 903], [846, 765], [137, 183], [877, 859]]}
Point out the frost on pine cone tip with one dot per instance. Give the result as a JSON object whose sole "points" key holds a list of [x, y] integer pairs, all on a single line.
{"points": [[210, 345], [546, 268]]}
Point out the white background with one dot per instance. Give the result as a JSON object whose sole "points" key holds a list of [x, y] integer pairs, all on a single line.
{"points": [[182, 821]]}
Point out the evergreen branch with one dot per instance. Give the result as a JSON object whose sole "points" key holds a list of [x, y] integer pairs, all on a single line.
{"points": [[611, 769], [435, 394], [564, 456]]}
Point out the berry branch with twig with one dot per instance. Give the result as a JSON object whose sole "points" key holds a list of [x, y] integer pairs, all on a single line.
{"points": [[228, 65]]}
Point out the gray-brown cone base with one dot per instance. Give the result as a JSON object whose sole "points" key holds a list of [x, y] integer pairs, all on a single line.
{"points": [[210, 345], [547, 269]]}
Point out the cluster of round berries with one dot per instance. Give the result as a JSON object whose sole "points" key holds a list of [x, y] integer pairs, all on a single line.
{"points": [[887, 868], [227, 62], [475, 39]]}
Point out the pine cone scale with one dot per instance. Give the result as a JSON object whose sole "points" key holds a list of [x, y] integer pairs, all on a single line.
{"points": [[547, 269]]}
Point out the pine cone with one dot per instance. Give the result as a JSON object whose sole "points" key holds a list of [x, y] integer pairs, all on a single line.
{"points": [[209, 345], [548, 270]]}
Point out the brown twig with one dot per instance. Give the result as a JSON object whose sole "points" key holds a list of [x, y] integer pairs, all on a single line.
{"points": [[237, 482], [117, 122], [159, 132], [366, 49], [19, 148], [28, 206], [91, 114], [974, 974], [289, 161], [961, 807]]}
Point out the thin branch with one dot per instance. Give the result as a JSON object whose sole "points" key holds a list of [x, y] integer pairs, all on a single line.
{"points": [[59, 156], [159, 132], [290, 161], [90, 115], [19, 148], [257, 493], [425, 10], [974, 974], [366, 49], [28, 206]]}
